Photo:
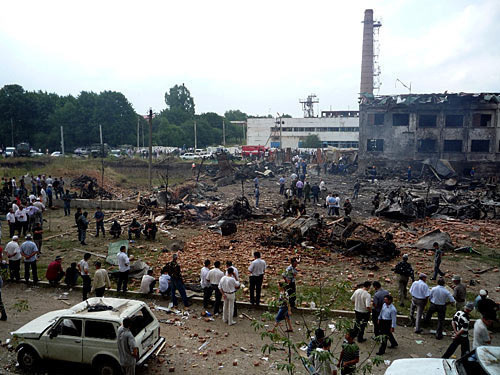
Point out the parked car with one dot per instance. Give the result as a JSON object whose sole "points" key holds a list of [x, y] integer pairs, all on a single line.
{"points": [[189, 156], [487, 363], [10, 152], [87, 334], [56, 154]]}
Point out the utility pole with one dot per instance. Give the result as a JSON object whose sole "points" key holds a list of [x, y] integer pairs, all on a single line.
{"points": [[12, 131], [138, 133], [150, 120], [62, 140], [223, 133], [195, 140]]}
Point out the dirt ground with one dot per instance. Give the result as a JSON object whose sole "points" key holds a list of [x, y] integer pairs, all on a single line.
{"points": [[201, 243], [236, 343]]}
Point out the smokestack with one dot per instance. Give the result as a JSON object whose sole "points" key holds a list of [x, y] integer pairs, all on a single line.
{"points": [[367, 54]]}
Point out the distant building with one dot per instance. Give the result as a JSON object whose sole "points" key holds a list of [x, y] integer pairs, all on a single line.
{"points": [[462, 128], [334, 128]]}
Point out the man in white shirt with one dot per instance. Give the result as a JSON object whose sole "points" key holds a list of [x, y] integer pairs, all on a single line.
{"points": [[148, 283], [420, 293], [164, 282], [11, 219], [83, 267], [228, 286], [439, 298], [481, 334], [362, 307], [13, 252], [213, 277], [257, 269], [236, 274], [123, 269], [22, 220], [205, 285]]}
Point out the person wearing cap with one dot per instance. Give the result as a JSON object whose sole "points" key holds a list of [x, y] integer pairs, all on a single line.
{"points": [[13, 252], [420, 293], [29, 252], [460, 324], [486, 306], [439, 297], [459, 292], [404, 270], [55, 271]]}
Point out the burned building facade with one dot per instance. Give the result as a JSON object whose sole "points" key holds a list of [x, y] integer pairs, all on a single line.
{"points": [[462, 128]]}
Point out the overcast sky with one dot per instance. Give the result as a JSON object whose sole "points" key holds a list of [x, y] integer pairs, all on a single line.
{"points": [[256, 56]]}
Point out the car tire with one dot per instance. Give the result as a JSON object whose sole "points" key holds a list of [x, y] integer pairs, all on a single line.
{"points": [[28, 358], [107, 367]]}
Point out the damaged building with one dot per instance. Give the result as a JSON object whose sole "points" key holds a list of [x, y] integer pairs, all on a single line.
{"points": [[397, 130]]}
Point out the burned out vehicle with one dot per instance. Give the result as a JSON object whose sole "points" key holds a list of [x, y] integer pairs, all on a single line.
{"points": [[87, 334]]}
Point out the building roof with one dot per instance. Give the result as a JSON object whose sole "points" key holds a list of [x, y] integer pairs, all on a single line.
{"points": [[419, 99]]}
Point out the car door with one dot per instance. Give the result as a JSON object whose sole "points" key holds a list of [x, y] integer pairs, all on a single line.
{"points": [[99, 338], [64, 341]]}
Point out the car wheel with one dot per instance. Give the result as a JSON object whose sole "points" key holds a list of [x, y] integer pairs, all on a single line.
{"points": [[28, 358], [108, 367]]}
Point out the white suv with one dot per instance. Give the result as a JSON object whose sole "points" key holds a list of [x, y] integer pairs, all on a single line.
{"points": [[87, 333]]}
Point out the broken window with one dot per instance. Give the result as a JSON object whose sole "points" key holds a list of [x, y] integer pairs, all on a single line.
{"points": [[140, 320], [427, 121], [483, 120], [452, 146], [426, 145], [375, 145], [379, 119], [454, 121], [400, 119], [69, 327], [480, 145], [100, 330]]}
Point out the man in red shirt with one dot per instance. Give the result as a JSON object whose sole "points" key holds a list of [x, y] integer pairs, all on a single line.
{"points": [[55, 271]]}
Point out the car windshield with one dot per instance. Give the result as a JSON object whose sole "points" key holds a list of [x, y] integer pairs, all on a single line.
{"points": [[140, 320]]}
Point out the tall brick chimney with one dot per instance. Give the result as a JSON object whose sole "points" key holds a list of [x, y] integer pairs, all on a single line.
{"points": [[367, 54]]}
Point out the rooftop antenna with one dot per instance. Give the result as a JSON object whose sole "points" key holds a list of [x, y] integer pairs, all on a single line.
{"points": [[308, 105], [408, 87]]}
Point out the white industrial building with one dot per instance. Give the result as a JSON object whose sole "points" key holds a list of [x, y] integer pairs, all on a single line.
{"points": [[338, 129]]}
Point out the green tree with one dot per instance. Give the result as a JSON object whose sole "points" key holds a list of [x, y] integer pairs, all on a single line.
{"points": [[179, 98], [311, 141], [235, 115]]}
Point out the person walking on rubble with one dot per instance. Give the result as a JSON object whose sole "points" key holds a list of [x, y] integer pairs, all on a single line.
{"points": [[409, 173], [439, 297], [307, 192], [420, 293], [357, 185], [437, 260], [315, 192], [282, 182], [257, 196], [404, 270], [373, 173], [289, 276]]}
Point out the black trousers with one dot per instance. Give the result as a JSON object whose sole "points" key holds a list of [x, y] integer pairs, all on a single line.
{"points": [[23, 227], [463, 342], [361, 322], [27, 266], [58, 278], [207, 293], [86, 287], [99, 292], [122, 281], [385, 329], [218, 299], [255, 289], [12, 229], [14, 267], [100, 226], [441, 313], [291, 291], [376, 327]]}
